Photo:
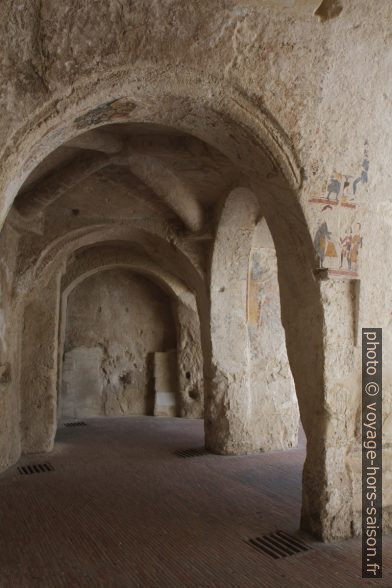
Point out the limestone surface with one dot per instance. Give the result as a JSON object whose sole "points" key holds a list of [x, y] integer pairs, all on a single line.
{"points": [[152, 138]]}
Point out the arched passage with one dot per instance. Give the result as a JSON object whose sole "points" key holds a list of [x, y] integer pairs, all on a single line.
{"points": [[262, 154], [40, 402], [254, 392], [117, 324], [189, 348]]}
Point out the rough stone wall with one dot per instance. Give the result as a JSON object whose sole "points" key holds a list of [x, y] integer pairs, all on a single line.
{"points": [[190, 354], [190, 362], [38, 369], [115, 322], [39, 341], [9, 358], [289, 91]]}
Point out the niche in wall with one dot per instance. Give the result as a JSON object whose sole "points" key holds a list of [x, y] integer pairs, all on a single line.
{"points": [[116, 320]]}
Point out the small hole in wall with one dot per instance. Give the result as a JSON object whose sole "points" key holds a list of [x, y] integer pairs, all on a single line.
{"points": [[188, 375], [222, 289], [126, 378], [194, 394], [99, 309], [75, 211]]}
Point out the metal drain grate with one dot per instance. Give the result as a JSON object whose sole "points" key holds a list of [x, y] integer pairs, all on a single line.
{"points": [[39, 468], [279, 544], [195, 452], [75, 424]]}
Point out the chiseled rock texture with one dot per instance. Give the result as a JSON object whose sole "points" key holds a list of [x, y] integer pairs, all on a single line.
{"points": [[281, 104], [116, 321]]}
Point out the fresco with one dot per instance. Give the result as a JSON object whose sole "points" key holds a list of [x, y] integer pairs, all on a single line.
{"points": [[338, 236], [344, 189], [255, 279], [111, 111]]}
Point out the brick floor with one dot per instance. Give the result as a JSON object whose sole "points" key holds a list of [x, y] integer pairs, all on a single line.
{"points": [[122, 510]]}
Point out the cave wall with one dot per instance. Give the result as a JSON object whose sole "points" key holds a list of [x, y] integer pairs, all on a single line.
{"points": [[10, 438], [116, 321], [285, 89]]}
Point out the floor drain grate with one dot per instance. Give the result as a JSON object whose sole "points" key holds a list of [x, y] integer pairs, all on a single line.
{"points": [[75, 424], [39, 468], [195, 452], [279, 544]]}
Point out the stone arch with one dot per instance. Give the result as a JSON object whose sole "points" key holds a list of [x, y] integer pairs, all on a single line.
{"points": [[254, 141], [39, 275], [38, 268], [301, 309], [229, 121], [185, 310], [40, 380], [244, 397], [173, 193]]}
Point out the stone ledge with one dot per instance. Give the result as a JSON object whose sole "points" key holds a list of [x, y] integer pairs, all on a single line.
{"points": [[333, 274]]}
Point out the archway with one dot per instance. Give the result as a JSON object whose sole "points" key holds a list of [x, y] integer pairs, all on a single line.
{"points": [[255, 400], [45, 325], [117, 326], [263, 156]]}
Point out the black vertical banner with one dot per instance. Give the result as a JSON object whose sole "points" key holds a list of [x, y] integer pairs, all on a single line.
{"points": [[371, 453]]}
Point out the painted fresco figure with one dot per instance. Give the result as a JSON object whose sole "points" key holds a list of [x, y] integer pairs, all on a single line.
{"points": [[256, 268], [356, 244], [320, 239], [363, 178], [346, 244], [323, 244], [346, 189], [333, 186]]}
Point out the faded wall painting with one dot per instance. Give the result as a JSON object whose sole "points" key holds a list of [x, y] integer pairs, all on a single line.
{"points": [[338, 236], [112, 111], [255, 279]]}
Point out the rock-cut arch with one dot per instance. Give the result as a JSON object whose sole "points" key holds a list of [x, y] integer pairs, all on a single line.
{"points": [[254, 397], [40, 379], [254, 142]]}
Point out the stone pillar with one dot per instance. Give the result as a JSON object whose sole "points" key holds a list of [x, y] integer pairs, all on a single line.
{"points": [[252, 405], [38, 378], [275, 413], [228, 403], [190, 361], [9, 352], [10, 445], [332, 431]]}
